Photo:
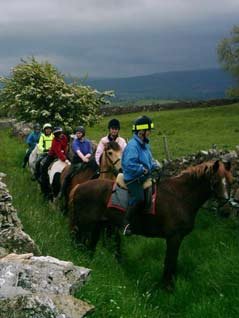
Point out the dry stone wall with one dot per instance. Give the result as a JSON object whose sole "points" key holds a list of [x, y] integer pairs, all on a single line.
{"points": [[34, 286], [174, 167], [116, 110]]}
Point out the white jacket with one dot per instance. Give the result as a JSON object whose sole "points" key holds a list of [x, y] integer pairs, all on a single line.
{"points": [[103, 142]]}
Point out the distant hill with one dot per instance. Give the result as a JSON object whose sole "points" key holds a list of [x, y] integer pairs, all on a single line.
{"points": [[183, 85]]}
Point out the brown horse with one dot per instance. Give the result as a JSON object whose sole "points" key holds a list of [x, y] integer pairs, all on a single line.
{"points": [[178, 200], [110, 165]]}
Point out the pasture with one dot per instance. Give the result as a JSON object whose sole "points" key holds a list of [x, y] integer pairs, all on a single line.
{"points": [[208, 270]]}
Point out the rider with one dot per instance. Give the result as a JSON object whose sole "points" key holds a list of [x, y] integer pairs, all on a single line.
{"points": [[43, 146], [113, 135], [82, 150], [137, 164], [58, 150], [32, 140], [81, 146]]}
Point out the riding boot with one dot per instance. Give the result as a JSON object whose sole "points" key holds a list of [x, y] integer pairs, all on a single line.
{"points": [[129, 214], [26, 158], [148, 200]]}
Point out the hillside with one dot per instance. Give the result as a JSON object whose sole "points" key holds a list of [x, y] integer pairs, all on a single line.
{"points": [[193, 85]]}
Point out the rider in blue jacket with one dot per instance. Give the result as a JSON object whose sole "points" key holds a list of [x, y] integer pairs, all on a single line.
{"points": [[137, 164], [32, 140]]}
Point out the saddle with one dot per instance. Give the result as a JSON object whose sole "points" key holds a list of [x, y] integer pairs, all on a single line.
{"points": [[120, 182], [120, 195]]}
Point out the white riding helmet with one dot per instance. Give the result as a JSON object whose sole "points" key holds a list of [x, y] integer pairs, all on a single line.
{"points": [[47, 126]]}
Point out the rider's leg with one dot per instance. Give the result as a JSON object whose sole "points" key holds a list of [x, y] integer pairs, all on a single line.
{"points": [[45, 186], [26, 158], [37, 171], [148, 199], [136, 195]]}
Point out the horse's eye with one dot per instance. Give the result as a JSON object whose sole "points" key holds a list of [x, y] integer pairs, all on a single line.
{"points": [[110, 153]]}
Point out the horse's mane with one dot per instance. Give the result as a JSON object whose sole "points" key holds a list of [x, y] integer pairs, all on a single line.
{"points": [[198, 170], [112, 145], [74, 170]]}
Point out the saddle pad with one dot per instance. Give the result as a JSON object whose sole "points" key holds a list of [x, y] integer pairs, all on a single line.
{"points": [[118, 199], [57, 166]]}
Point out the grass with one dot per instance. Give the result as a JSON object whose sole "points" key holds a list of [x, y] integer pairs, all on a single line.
{"points": [[208, 271]]}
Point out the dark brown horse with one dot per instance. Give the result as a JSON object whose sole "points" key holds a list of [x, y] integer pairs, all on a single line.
{"points": [[178, 200], [110, 165]]}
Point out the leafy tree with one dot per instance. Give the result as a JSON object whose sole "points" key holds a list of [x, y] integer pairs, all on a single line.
{"points": [[37, 92], [228, 54]]}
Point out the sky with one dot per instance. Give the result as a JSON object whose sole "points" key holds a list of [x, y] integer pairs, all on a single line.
{"points": [[115, 38]]}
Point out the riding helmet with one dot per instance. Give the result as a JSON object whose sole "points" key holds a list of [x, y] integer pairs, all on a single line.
{"points": [[114, 123], [143, 123], [80, 129], [37, 126], [47, 125], [57, 130]]}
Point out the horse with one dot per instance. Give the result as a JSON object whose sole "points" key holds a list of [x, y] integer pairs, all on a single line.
{"points": [[110, 165], [177, 202], [32, 160]]}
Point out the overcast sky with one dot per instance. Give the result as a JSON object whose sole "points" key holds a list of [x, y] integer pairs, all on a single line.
{"points": [[115, 38]]}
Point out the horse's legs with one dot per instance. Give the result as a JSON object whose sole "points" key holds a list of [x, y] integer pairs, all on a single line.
{"points": [[94, 236], [170, 262], [118, 245]]}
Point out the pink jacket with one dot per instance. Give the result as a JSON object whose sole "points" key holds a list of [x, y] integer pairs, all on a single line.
{"points": [[101, 145]]}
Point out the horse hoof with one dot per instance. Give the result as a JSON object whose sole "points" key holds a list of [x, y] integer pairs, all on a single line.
{"points": [[167, 285]]}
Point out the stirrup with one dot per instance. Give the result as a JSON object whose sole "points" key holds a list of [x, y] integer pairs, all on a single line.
{"points": [[127, 230]]}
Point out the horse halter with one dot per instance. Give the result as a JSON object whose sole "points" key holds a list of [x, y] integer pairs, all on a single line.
{"points": [[222, 200], [112, 169]]}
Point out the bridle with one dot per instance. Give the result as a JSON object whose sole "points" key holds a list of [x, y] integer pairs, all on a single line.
{"points": [[111, 169], [221, 200]]}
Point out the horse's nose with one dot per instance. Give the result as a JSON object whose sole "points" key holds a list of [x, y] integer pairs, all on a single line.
{"points": [[120, 170]]}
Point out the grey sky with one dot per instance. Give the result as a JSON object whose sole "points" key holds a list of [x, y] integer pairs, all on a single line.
{"points": [[115, 38]]}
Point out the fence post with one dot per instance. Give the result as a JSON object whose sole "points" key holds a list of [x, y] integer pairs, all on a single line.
{"points": [[165, 145]]}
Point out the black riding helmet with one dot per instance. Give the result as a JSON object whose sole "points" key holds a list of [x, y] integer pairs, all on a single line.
{"points": [[114, 123], [80, 129], [143, 123]]}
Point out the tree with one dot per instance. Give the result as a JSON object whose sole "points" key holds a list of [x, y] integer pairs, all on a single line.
{"points": [[37, 92], [228, 54]]}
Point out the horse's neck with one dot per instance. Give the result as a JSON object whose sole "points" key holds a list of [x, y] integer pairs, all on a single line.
{"points": [[194, 190]]}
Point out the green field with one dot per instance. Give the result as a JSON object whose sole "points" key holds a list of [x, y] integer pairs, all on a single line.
{"points": [[208, 267]]}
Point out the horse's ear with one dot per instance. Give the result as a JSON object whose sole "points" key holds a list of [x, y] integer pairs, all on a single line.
{"points": [[216, 166], [227, 165]]}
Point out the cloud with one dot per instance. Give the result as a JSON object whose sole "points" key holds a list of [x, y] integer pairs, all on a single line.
{"points": [[115, 38]]}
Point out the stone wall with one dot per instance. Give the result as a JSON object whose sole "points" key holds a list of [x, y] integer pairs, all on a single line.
{"points": [[174, 167], [34, 286], [117, 110]]}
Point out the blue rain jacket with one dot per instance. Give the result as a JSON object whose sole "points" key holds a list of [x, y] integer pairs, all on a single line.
{"points": [[137, 156], [32, 139]]}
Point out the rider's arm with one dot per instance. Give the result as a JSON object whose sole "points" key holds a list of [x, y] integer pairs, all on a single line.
{"points": [[130, 162], [99, 151]]}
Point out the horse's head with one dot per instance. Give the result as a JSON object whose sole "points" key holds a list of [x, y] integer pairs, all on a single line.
{"points": [[111, 157], [220, 179]]}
